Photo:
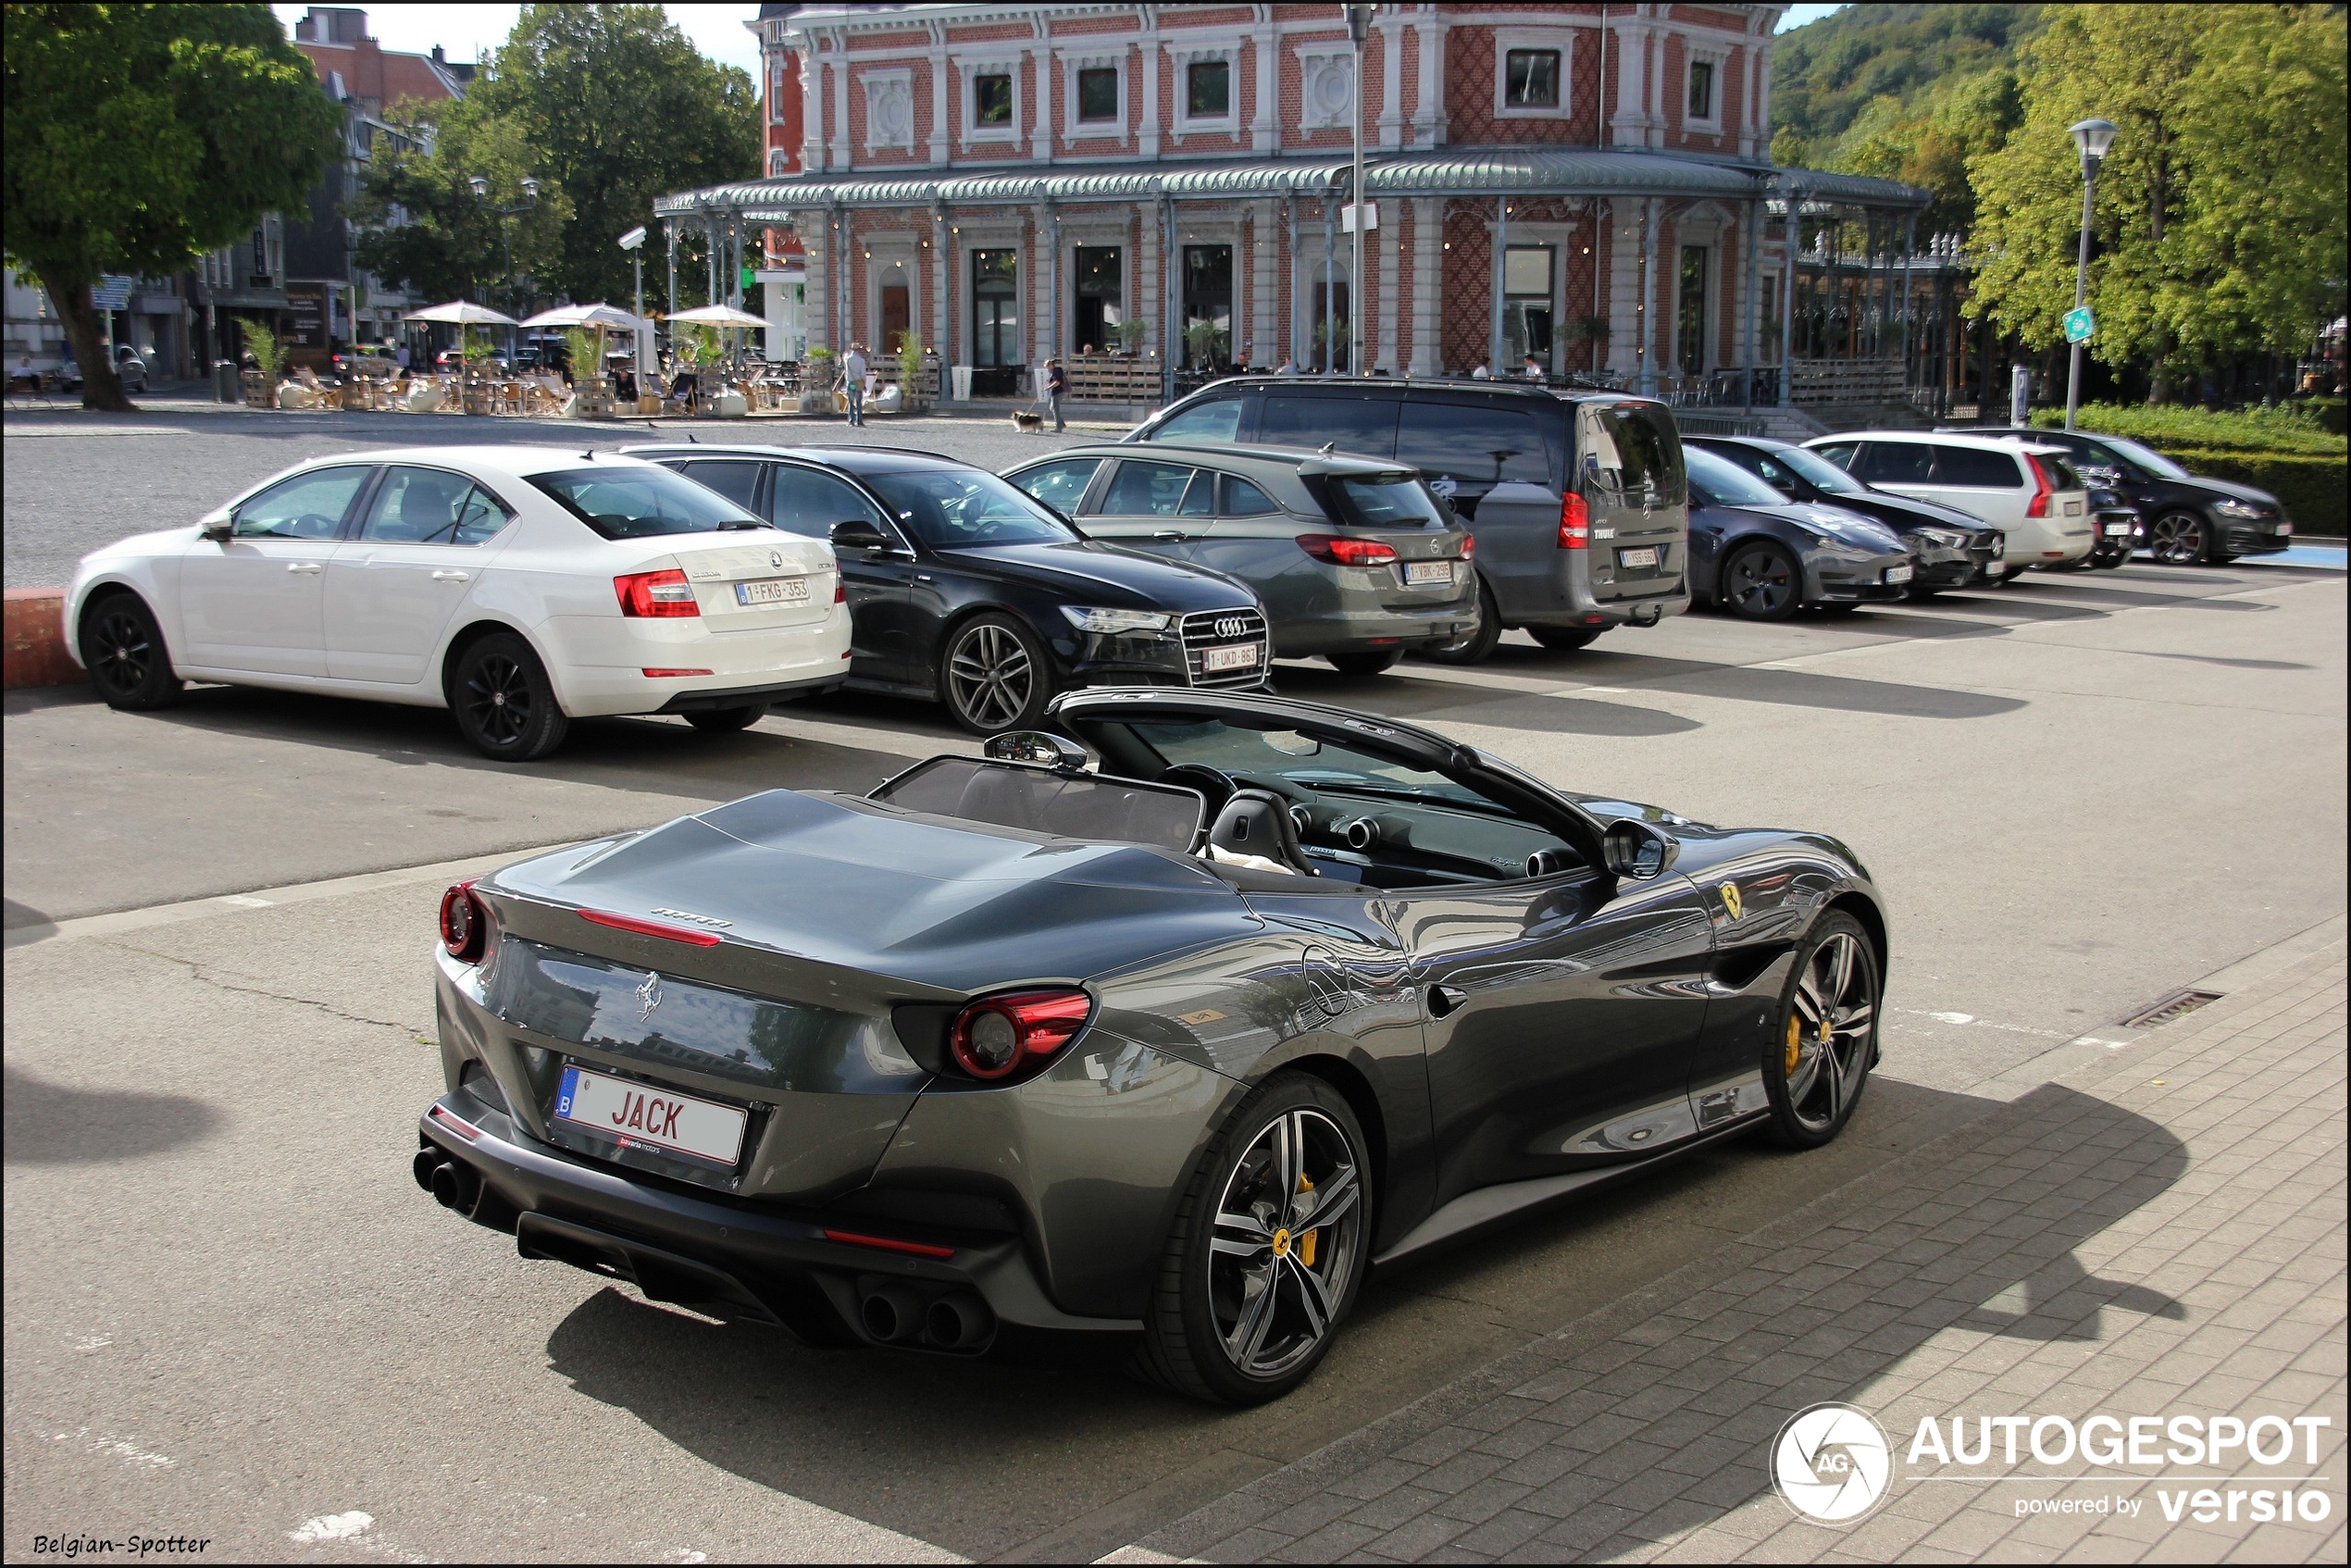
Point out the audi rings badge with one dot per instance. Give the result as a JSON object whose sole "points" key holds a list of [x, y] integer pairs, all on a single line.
{"points": [[1232, 626]]}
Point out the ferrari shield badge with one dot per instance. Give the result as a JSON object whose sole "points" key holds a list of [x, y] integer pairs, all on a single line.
{"points": [[1730, 891]]}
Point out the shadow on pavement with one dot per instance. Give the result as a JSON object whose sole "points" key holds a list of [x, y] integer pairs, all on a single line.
{"points": [[916, 1443], [51, 1124], [1735, 682]]}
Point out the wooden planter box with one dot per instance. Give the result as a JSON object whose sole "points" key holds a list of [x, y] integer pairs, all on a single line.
{"points": [[1115, 377]]}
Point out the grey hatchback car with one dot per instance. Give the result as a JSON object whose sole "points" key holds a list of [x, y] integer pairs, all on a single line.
{"points": [[1355, 559]]}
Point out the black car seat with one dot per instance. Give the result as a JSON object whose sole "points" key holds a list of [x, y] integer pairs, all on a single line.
{"points": [[1258, 822]]}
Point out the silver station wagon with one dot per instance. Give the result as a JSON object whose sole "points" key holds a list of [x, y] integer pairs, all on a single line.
{"points": [[1355, 559]]}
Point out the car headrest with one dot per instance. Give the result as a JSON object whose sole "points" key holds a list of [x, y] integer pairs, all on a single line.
{"points": [[1257, 822]]}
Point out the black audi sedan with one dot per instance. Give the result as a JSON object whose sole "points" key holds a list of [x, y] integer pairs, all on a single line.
{"points": [[2187, 518], [1949, 548], [964, 588], [1762, 556]]}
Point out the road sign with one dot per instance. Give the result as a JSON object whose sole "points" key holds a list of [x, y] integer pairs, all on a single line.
{"points": [[2079, 325]]}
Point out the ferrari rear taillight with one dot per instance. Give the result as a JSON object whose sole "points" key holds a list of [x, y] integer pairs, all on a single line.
{"points": [[656, 594], [1341, 551], [2039, 505], [464, 924], [1576, 523], [997, 1035]]}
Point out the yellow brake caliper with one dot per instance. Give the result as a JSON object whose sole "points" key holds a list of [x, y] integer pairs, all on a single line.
{"points": [[1306, 1243], [1794, 1044]]}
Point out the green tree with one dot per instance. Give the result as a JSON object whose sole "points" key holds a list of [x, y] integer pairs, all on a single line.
{"points": [[140, 137], [1827, 74], [616, 108], [422, 227], [2219, 224]]}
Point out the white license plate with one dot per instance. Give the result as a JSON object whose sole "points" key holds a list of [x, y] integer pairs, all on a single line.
{"points": [[2117, 530], [1898, 574], [2285, 530], [1241, 655], [1994, 569], [773, 591], [1644, 556], [2074, 508], [1419, 574], [645, 1113]]}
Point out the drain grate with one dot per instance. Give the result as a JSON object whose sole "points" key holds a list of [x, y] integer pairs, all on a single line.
{"points": [[2170, 1007]]}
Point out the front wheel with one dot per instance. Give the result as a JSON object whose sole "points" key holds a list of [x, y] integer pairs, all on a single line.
{"points": [[994, 676], [1815, 1067], [1763, 582], [504, 703], [1269, 1247], [1374, 663], [2179, 538], [1479, 641], [122, 648]]}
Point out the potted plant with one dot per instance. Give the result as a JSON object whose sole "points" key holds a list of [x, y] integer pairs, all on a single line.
{"points": [[1131, 334], [268, 359], [910, 374]]}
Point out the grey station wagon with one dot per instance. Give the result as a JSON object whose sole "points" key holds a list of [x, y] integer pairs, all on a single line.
{"points": [[1578, 501], [1355, 560]]}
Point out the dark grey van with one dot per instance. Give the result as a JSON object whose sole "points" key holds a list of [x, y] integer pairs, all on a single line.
{"points": [[1577, 500]]}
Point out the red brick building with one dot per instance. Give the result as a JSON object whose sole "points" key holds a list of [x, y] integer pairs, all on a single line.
{"points": [[1586, 184]]}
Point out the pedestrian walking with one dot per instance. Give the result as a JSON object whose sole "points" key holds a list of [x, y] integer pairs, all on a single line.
{"points": [[853, 376], [1056, 383]]}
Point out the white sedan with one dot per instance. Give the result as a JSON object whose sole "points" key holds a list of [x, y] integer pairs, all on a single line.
{"points": [[520, 587]]}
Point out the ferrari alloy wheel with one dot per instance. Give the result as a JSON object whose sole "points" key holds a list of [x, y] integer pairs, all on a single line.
{"points": [[1761, 583], [1819, 1061], [122, 648], [994, 676], [2178, 539], [1268, 1250], [504, 703]]}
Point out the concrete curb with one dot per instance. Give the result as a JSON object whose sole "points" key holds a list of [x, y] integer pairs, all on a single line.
{"points": [[36, 641]]}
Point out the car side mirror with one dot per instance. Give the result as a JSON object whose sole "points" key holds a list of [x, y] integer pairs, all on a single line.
{"points": [[858, 534], [219, 529], [1039, 747], [1636, 851]]}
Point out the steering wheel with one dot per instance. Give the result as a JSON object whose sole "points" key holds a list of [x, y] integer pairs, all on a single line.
{"points": [[313, 524]]}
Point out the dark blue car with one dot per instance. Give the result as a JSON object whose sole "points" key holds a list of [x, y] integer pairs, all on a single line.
{"points": [[1762, 556]]}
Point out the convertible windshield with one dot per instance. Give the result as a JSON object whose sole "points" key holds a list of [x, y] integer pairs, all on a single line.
{"points": [[1727, 482], [1323, 767], [967, 509], [1823, 474], [641, 502]]}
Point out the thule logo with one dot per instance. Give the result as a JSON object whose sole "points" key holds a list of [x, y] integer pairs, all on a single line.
{"points": [[710, 920]]}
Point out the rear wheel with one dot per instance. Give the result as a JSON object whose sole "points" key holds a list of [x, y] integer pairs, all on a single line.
{"points": [[2179, 538], [504, 703], [1377, 662], [1763, 582], [1480, 640], [1817, 1064], [994, 676], [1564, 639], [1269, 1247], [721, 721], [122, 648]]}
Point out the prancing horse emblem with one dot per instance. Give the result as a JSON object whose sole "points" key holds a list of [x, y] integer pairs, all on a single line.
{"points": [[1730, 891], [650, 994]]}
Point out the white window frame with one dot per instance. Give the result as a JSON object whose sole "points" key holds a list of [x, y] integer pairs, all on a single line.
{"points": [[1506, 39], [1695, 53], [968, 71], [1185, 57], [1075, 129], [878, 82], [778, 163], [1314, 60]]}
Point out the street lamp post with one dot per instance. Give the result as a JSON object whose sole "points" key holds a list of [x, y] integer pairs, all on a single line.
{"points": [[634, 244], [505, 246], [2094, 137], [1358, 23]]}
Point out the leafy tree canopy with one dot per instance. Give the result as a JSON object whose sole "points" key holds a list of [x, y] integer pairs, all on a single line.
{"points": [[422, 227], [2219, 220], [616, 108], [142, 136]]}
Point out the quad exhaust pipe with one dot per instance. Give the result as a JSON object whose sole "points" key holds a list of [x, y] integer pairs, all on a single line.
{"points": [[957, 1320]]}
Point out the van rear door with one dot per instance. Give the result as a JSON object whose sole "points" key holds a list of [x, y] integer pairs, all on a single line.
{"points": [[1493, 460], [1630, 473]]}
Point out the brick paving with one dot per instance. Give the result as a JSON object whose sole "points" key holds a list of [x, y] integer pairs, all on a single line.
{"points": [[2159, 1233]]}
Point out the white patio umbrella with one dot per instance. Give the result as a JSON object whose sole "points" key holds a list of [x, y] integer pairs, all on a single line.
{"points": [[720, 316], [603, 318], [460, 312]]}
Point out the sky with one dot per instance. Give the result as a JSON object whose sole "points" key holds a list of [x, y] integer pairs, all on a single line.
{"points": [[469, 32]]}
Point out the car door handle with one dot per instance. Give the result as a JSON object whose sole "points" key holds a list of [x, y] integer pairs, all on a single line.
{"points": [[450, 577], [1170, 536], [308, 568], [1445, 999]]}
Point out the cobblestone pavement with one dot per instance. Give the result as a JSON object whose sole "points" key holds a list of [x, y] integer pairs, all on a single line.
{"points": [[2155, 1234]]}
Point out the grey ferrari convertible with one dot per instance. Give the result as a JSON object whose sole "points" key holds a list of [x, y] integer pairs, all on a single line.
{"points": [[1151, 1031]]}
